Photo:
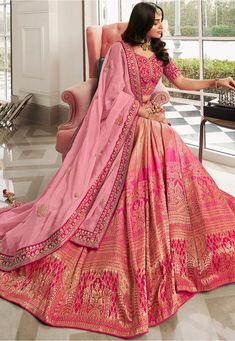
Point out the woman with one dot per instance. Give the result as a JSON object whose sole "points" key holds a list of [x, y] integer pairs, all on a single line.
{"points": [[132, 225]]}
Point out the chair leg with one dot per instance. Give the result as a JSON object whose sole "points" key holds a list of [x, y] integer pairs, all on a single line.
{"points": [[202, 138]]}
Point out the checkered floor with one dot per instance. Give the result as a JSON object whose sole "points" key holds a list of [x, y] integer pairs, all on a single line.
{"points": [[186, 118]]}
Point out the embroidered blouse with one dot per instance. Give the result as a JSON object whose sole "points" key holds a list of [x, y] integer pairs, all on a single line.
{"points": [[151, 70]]}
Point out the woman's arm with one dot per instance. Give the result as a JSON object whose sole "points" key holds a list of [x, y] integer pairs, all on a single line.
{"points": [[183, 83], [174, 76]]}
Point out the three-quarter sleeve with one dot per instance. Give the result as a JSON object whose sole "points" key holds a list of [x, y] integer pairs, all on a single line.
{"points": [[171, 71]]}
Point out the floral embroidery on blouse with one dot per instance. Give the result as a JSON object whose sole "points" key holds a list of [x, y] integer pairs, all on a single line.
{"points": [[151, 70], [150, 73], [171, 71]]}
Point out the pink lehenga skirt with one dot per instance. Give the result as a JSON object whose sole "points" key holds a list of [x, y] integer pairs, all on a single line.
{"points": [[172, 235]]}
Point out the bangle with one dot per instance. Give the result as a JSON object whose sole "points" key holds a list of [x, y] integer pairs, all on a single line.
{"points": [[216, 83]]}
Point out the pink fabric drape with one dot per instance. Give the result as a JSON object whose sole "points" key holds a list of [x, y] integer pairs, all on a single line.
{"points": [[80, 199]]}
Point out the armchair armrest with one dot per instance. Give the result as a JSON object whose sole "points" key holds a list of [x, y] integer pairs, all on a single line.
{"points": [[79, 98], [160, 87], [161, 94]]}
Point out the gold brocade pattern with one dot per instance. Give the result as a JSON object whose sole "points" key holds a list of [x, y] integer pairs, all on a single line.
{"points": [[163, 244]]}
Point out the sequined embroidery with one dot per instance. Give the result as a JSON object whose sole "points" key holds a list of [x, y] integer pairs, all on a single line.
{"points": [[42, 210], [119, 120], [107, 67], [150, 73], [171, 71], [145, 72]]}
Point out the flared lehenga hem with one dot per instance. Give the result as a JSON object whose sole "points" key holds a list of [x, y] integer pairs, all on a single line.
{"points": [[163, 245], [112, 332], [88, 327]]}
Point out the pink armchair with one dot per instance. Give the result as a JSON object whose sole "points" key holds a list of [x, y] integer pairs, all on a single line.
{"points": [[79, 97]]}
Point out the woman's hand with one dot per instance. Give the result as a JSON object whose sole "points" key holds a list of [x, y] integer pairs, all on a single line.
{"points": [[144, 112], [153, 112], [226, 83]]}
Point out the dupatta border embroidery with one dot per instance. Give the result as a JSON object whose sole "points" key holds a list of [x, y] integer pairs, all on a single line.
{"points": [[58, 238], [133, 71], [94, 238]]}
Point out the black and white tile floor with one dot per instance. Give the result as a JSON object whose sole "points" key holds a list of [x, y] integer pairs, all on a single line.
{"points": [[185, 119]]}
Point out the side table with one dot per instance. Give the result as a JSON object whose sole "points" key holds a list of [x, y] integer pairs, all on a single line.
{"points": [[202, 136]]}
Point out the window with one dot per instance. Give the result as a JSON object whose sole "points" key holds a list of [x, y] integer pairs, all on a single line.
{"points": [[109, 11], [200, 36], [5, 50]]}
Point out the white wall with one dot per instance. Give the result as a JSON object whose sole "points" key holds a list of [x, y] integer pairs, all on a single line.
{"points": [[47, 48], [91, 18], [70, 43]]}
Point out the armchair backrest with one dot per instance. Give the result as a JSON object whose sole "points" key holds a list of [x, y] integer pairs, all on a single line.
{"points": [[99, 39]]}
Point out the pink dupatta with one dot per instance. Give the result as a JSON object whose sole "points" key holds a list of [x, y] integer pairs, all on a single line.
{"points": [[78, 203]]}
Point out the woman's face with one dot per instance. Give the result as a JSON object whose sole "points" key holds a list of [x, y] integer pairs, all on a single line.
{"points": [[157, 28]]}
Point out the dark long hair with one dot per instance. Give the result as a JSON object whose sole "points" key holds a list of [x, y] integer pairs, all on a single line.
{"points": [[141, 21]]}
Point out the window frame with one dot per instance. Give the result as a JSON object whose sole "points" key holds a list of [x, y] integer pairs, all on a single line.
{"points": [[6, 36]]}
